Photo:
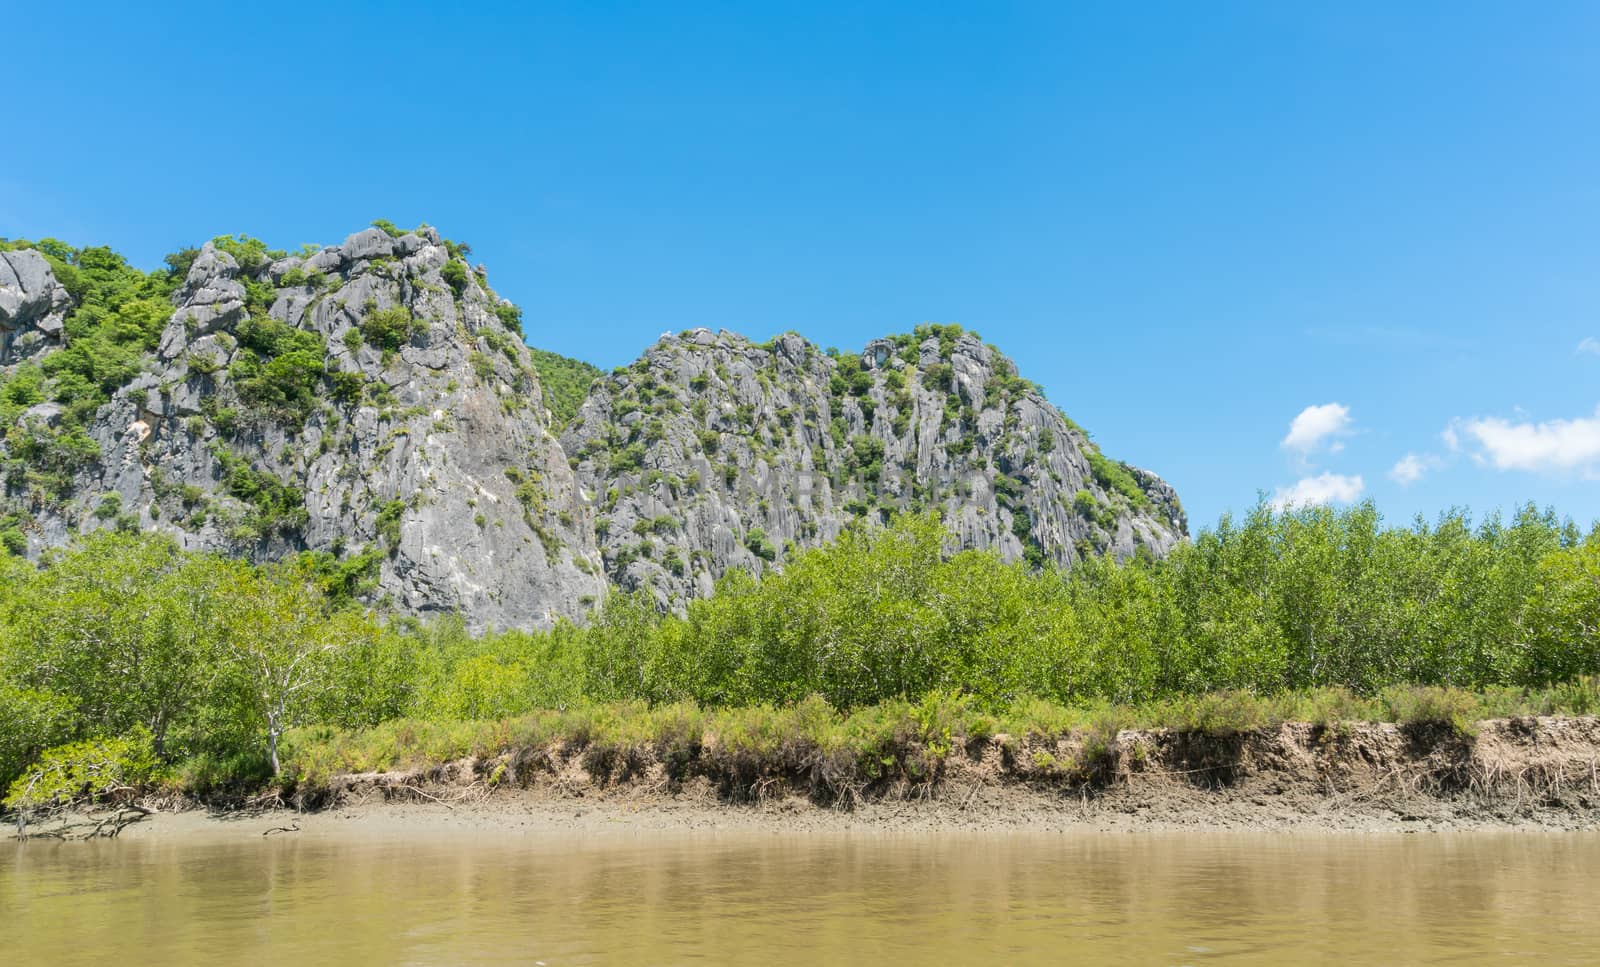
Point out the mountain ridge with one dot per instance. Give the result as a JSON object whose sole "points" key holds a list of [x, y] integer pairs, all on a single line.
{"points": [[373, 404], [712, 452]]}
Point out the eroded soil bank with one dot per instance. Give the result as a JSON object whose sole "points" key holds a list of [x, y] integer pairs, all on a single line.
{"points": [[1530, 773]]}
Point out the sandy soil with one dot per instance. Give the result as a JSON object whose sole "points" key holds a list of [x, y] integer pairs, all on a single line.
{"points": [[986, 811]]}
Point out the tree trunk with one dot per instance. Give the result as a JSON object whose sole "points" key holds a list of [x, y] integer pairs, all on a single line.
{"points": [[274, 729]]}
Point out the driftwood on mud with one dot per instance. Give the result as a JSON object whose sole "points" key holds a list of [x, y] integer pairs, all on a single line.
{"points": [[67, 824]]}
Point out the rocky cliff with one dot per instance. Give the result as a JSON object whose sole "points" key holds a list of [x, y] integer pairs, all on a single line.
{"points": [[366, 400], [371, 407], [33, 306], [711, 453]]}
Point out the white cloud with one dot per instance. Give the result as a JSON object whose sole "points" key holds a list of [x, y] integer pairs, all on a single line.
{"points": [[1325, 488], [1554, 445], [1411, 468], [1589, 345], [1316, 424]]}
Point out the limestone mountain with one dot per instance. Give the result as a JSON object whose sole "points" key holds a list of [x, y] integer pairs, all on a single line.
{"points": [[370, 410], [372, 401], [711, 453]]}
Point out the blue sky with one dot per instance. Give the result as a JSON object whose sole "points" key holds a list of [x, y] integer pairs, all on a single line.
{"points": [[1254, 247]]}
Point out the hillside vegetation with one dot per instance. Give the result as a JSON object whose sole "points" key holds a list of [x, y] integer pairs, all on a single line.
{"points": [[566, 382]]}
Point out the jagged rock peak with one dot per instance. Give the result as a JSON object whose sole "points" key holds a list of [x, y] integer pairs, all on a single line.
{"points": [[711, 452], [371, 400]]}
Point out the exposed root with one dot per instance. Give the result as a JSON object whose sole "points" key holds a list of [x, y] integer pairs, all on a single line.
{"points": [[1508, 771], [64, 824]]}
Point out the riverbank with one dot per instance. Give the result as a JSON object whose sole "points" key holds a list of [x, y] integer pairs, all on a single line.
{"points": [[1535, 772]]}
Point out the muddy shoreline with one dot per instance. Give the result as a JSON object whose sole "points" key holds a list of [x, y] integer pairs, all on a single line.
{"points": [[1535, 773]]}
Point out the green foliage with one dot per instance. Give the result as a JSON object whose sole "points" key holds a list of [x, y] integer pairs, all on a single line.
{"points": [[111, 628], [30, 721], [12, 539], [42, 460], [117, 317], [342, 580], [279, 369], [389, 329], [259, 295], [850, 377], [946, 334], [1089, 507], [511, 317], [1115, 477], [482, 366], [565, 382], [629, 458], [178, 264], [759, 544], [1454, 708], [25, 387], [109, 507], [1007, 489], [882, 648], [204, 364], [251, 253], [455, 275], [387, 522], [865, 458], [345, 385], [744, 748], [464, 677], [276, 508], [1285, 602], [124, 635], [91, 771], [224, 418], [1565, 611]]}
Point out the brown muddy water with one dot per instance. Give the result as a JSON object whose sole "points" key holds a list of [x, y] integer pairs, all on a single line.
{"points": [[776, 899]]}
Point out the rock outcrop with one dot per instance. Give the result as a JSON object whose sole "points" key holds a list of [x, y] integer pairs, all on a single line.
{"points": [[373, 402], [711, 453], [33, 306], [363, 398]]}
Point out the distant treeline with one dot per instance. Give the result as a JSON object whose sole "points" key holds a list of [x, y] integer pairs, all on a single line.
{"points": [[202, 663]]}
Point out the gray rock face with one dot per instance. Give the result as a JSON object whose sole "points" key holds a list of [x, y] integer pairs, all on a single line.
{"points": [[365, 400], [712, 453], [431, 452], [33, 306]]}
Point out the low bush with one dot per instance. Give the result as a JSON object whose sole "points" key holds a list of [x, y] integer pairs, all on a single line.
{"points": [[82, 773]]}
